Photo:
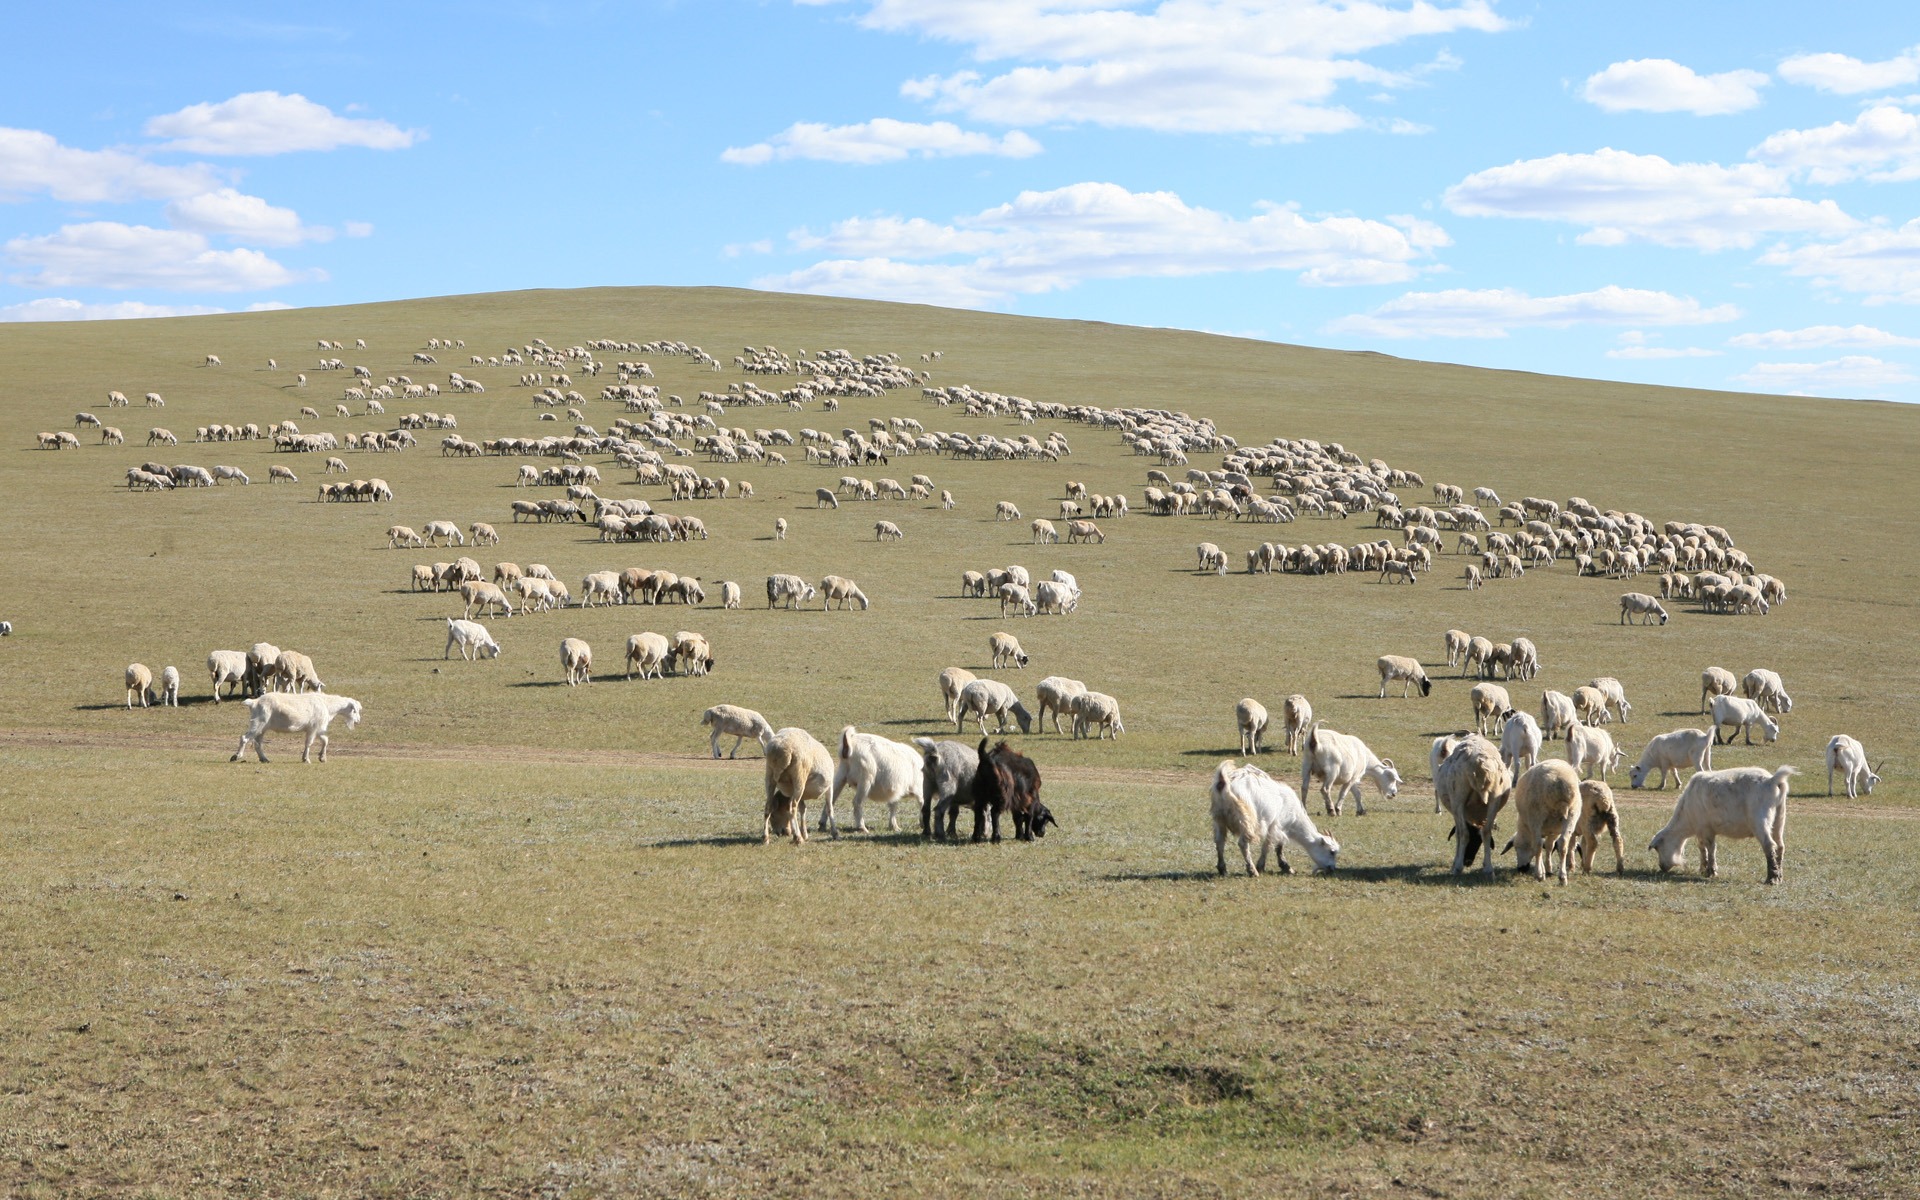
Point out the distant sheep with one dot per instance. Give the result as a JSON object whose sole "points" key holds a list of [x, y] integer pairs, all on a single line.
{"points": [[846, 591], [1716, 681], [472, 638], [985, 698], [1096, 712], [1296, 718], [1766, 688], [170, 686], [1639, 604], [139, 684]]}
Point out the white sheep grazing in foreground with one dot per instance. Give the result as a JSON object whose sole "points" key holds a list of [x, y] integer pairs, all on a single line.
{"points": [[1546, 809], [139, 683], [576, 659], [1006, 651], [952, 681], [1767, 688], [876, 768], [472, 638], [1591, 748], [1395, 666], [798, 769], [1296, 718], [1250, 718], [1741, 714], [1599, 814], [1053, 693], [1096, 712], [1556, 712], [1259, 810], [310, 713], [1745, 802], [1344, 763], [1639, 604], [985, 698], [1846, 755], [740, 723], [1470, 782], [170, 686], [227, 667], [1520, 741], [1489, 700], [1670, 752], [649, 652]]}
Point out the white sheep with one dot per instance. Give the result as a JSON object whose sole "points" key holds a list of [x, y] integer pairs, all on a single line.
{"points": [[576, 659], [140, 684], [1211, 557], [1639, 604], [1007, 651], [311, 714], [846, 591], [884, 531], [985, 698], [227, 667], [1590, 748], [1455, 641], [1616, 696], [1599, 814], [1053, 693], [1096, 712], [1846, 755], [1489, 700], [1016, 597], [1741, 714], [1472, 783], [1006, 511], [1546, 807], [1395, 666], [876, 768], [1259, 810], [1716, 681], [1767, 688], [798, 769], [1296, 718], [1556, 712], [1250, 718], [472, 638], [741, 723], [1745, 802], [729, 594], [1520, 741], [649, 652], [170, 686], [952, 681], [1343, 763], [1671, 752]]}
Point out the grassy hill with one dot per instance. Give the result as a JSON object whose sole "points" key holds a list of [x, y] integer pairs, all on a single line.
{"points": [[517, 935]]}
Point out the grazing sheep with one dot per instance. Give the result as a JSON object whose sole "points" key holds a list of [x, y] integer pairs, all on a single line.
{"points": [[649, 652], [1395, 666], [1296, 717], [788, 591], [1591, 703], [884, 531], [952, 680], [1489, 700], [824, 498], [1599, 814], [1472, 783], [946, 786], [692, 655], [798, 769], [294, 672], [1098, 712], [227, 667], [1006, 511], [1055, 598], [985, 698], [947, 501], [1472, 576], [170, 686], [1556, 712], [1054, 693], [261, 657], [972, 583], [139, 683], [576, 659], [1591, 748], [1456, 641], [1212, 558], [1766, 687], [1616, 696], [1846, 755], [401, 535], [1007, 781], [1473, 660], [1044, 532], [472, 638], [1250, 718], [1520, 740], [1007, 652], [1259, 810], [1741, 714], [1639, 604], [846, 591], [1670, 752], [876, 768], [1745, 802], [741, 723], [311, 714], [1343, 763], [1016, 597], [1546, 808]]}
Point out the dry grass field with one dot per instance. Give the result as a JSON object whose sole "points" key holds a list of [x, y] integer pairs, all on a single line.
{"points": [[520, 938]]}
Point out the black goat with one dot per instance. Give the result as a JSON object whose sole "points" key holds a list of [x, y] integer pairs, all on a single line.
{"points": [[1007, 780]]}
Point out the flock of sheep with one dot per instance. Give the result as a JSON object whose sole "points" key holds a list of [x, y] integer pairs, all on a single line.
{"points": [[1560, 807]]}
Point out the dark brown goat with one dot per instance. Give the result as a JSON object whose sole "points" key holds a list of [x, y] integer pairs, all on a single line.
{"points": [[1007, 779]]}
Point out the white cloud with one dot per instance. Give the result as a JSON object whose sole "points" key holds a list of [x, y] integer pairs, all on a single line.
{"points": [[357, 229], [1050, 241], [1659, 352], [56, 308], [1881, 145], [1818, 336], [33, 163], [1493, 312], [111, 255], [1623, 197], [244, 218], [1853, 375], [1845, 75], [1221, 66], [1882, 263], [1662, 85], [880, 140], [272, 123]]}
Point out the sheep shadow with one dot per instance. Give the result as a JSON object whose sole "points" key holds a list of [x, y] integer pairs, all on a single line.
{"points": [[718, 839], [1157, 876]]}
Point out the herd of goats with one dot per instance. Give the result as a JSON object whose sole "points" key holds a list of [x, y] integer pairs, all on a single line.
{"points": [[1561, 809]]}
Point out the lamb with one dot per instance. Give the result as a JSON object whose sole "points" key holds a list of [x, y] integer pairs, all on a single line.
{"points": [[1556, 712], [876, 768], [1766, 687], [1007, 652], [1846, 755], [742, 723], [401, 535], [1546, 807], [472, 638], [1745, 802], [1098, 712], [1258, 809], [1471, 782], [846, 591], [576, 659], [1007, 781], [227, 667], [139, 683], [985, 698], [170, 686], [1343, 764], [1296, 716], [952, 681], [310, 714], [1591, 748], [1489, 700], [1743, 715], [1670, 752], [798, 769], [1395, 666], [1520, 740], [788, 591], [1250, 718], [1599, 814], [649, 652], [946, 784], [1639, 604], [1054, 692]]}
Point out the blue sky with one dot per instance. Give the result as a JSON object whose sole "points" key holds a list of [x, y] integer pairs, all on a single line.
{"points": [[1713, 195]]}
